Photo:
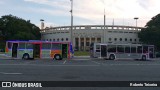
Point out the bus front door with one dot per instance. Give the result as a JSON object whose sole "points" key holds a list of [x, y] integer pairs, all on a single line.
{"points": [[64, 50], [14, 50], [36, 51], [103, 51]]}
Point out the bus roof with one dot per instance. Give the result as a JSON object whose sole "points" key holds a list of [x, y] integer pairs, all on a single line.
{"points": [[35, 41], [122, 44]]}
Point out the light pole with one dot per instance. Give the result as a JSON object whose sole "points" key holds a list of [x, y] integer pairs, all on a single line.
{"points": [[136, 18], [71, 22], [104, 22]]}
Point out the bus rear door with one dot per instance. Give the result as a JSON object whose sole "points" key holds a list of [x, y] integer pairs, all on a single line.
{"points": [[103, 50], [151, 51], [64, 50], [14, 50], [36, 50]]}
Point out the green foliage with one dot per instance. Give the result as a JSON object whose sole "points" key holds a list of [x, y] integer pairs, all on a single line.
{"points": [[14, 28], [151, 34], [81, 53]]}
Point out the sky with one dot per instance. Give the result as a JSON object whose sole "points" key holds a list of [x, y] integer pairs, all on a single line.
{"points": [[85, 12]]}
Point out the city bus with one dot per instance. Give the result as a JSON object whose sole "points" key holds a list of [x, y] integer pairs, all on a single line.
{"points": [[121, 51], [39, 49]]}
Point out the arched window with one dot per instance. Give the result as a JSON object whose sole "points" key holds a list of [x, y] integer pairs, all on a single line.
{"points": [[110, 39], [120, 39], [58, 39], [131, 40], [125, 39], [115, 39], [135, 40], [66, 39]]}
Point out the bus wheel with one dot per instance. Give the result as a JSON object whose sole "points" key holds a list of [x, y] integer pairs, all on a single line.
{"points": [[144, 57], [111, 57], [57, 57], [25, 56]]}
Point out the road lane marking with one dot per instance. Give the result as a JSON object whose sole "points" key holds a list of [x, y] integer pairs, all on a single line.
{"points": [[64, 61], [96, 62], [80, 59], [44, 65], [10, 73], [131, 64]]}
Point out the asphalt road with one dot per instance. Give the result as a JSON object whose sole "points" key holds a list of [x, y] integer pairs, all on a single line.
{"points": [[79, 70]]}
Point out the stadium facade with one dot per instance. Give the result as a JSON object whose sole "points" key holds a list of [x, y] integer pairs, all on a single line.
{"points": [[84, 35]]}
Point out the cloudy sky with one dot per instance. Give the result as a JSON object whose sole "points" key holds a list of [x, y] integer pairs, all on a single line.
{"points": [[85, 12]]}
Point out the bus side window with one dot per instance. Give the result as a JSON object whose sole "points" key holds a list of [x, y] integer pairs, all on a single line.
{"points": [[97, 48], [111, 48], [21, 46], [46, 46], [127, 49], [139, 49], [145, 49], [91, 46], [9, 45], [133, 49], [29, 46], [120, 49], [56, 46]]}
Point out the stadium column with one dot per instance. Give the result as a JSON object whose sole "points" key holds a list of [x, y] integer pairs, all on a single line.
{"points": [[79, 43], [84, 44], [90, 41], [74, 42], [96, 39]]}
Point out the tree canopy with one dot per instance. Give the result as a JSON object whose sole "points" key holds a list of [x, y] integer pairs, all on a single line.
{"points": [[15, 28], [151, 33]]}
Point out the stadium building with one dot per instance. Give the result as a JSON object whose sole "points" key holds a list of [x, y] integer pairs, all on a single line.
{"points": [[84, 35]]}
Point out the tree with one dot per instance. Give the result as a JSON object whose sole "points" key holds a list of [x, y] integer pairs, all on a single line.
{"points": [[151, 33], [14, 28]]}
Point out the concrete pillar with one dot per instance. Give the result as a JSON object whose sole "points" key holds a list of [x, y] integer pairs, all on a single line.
{"points": [[79, 43], [90, 41], [96, 39], [84, 44], [74, 42]]}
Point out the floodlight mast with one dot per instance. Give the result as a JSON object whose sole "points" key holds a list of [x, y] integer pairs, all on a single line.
{"points": [[42, 27], [136, 18]]}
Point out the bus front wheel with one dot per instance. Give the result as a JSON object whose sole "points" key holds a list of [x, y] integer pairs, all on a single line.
{"points": [[57, 57], [25, 56], [112, 57]]}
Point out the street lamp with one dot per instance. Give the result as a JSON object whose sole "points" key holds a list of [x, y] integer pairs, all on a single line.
{"points": [[136, 18]]}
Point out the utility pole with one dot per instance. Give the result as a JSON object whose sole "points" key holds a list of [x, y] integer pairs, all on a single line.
{"points": [[104, 26], [71, 32]]}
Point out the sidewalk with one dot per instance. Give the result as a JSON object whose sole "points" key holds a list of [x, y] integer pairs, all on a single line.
{"points": [[3, 56], [81, 56], [155, 58]]}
